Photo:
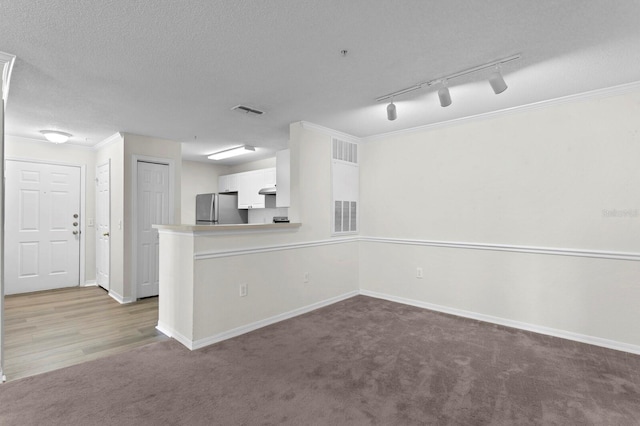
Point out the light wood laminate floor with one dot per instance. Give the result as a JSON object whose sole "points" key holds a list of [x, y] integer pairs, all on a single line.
{"points": [[53, 329]]}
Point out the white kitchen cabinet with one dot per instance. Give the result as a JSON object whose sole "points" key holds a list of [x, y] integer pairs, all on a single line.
{"points": [[283, 178], [269, 178], [228, 183], [249, 184]]}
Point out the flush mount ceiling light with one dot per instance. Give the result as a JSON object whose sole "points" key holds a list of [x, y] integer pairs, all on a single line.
{"points": [[233, 152], [496, 80], [56, 136]]}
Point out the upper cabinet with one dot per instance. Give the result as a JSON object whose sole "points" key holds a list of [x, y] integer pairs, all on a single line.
{"points": [[247, 185], [228, 183], [269, 178]]}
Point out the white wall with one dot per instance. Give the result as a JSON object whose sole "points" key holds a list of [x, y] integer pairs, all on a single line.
{"points": [[266, 163], [542, 178], [198, 178], [36, 150]]}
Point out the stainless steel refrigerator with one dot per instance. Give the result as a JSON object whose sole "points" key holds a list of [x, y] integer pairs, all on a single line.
{"points": [[219, 209]]}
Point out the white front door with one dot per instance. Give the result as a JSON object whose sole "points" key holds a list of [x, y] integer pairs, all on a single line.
{"points": [[153, 209], [42, 227], [103, 219]]}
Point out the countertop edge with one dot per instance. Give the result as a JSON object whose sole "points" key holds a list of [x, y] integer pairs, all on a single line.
{"points": [[241, 227]]}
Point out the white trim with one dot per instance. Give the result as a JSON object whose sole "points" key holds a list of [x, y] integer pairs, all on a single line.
{"points": [[170, 332], [311, 126], [201, 343], [598, 93], [120, 299], [3, 378], [135, 158], [583, 338], [265, 249], [89, 283], [83, 223], [510, 248], [108, 141], [96, 238], [6, 61], [628, 256], [40, 161]]}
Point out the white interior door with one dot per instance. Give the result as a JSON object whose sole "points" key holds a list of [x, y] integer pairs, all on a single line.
{"points": [[153, 209], [42, 227], [103, 221]]}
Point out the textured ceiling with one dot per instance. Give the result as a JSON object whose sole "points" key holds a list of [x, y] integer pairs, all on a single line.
{"points": [[174, 69]]}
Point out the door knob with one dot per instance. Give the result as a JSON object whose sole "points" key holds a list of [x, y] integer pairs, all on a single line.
{"points": [[75, 223], [106, 234], [75, 216], [75, 232]]}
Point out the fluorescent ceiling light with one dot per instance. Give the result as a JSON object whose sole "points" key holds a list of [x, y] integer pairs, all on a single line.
{"points": [[55, 136], [233, 152]]}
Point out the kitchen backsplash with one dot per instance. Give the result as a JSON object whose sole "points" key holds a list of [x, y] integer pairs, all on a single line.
{"points": [[266, 215]]}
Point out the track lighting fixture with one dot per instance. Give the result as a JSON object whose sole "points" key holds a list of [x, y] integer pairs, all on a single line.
{"points": [[391, 111], [444, 95], [496, 80]]}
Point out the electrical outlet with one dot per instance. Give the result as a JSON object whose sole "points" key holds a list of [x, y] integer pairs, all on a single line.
{"points": [[306, 277], [419, 273], [244, 290]]}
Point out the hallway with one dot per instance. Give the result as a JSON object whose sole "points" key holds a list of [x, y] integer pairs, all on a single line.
{"points": [[53, 329]]}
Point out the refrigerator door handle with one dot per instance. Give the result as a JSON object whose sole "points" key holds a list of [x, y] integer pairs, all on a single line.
{"points": [[216, 208]]}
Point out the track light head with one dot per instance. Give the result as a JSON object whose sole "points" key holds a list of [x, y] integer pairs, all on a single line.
{"points": [[497, 82], [391, 111], [444, 95]]}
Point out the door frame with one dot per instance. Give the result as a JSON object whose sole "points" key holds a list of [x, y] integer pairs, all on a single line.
{"points": [[106, 163], [135, 158], [82, 282]]}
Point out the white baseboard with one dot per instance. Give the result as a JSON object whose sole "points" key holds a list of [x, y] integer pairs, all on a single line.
{"points": [[170, 332], [201, 343], [90, 283], [582, 338], [120, 299]]}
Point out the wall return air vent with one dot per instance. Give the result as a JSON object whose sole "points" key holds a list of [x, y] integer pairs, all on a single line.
{"points": [[247, 109]]}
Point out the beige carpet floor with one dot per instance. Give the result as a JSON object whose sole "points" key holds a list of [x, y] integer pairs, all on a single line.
{"points": [[362, 361]]}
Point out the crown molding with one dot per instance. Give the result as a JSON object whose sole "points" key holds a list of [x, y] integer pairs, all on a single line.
{"points": [[331, 132], [6, 62], [108, 141], [593, 94]]}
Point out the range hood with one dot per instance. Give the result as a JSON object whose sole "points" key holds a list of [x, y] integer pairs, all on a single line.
{"points": [[269, 190]]}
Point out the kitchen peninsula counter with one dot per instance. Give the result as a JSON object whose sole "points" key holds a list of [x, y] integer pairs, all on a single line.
{"points": [[240, 227], [219, 281]]}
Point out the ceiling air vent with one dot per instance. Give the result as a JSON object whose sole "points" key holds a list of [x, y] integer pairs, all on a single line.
{"points": [[248, 110]]}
